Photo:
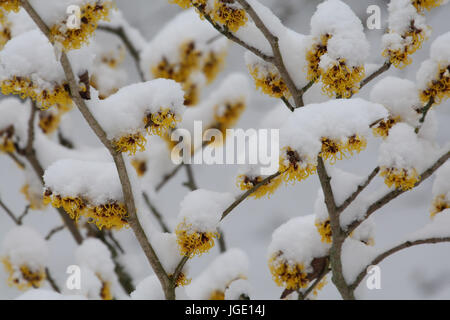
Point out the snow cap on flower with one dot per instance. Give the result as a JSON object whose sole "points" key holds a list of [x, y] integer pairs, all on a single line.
{"points": [[296, 253], [24, 255], [199, 217], [213, 282]]}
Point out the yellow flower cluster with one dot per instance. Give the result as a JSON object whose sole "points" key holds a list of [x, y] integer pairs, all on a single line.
{"points": [[23, 277], [6, 140], [293, 167], [193, 243], [91, 14], [190, 61], [105, 291], [334, 150], [383, 127], [229, 15], [10, 5], [426, 4], [224, 12], [25, 88], [49, 120], [438, 88], [400, 58], [110, 215], [324, 229], [341, 80], [270, 82], [440, 203], [291, 276], [217, 295], [181, 280], [313, 56], [130, 143], [403, 179], [245, 183], [5, 32], [140, 166], [161, 122], [34, 199], [226, 115], [213, 65]]}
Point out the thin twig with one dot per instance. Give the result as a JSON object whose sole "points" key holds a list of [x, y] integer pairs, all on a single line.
{"points": [[191, 180], [156, 213], [395, 193], [24, 213], [277, 56], [9, 212], [393, 250], [120, 32], [16, 160], [52, 281], [424, 110], [360, 189], [248, 193], [375, 74], [54, 231], [167, 177]]}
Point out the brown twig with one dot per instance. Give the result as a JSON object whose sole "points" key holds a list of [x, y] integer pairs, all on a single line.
{"points": [[277, 56], [156, 213], [120, 32], [395, 193], [385, 67], [52, 281], [54, 231], [393, 250], [9, 213], [424, 110]]}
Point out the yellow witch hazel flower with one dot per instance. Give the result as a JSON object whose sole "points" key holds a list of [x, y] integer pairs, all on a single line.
{"points": [[193, 242], [324, 229], [404, 179], [288, 275], [266, 77], [247, 182], [7, 140], [10, 5], [421, 5], [318, 49], [25, 255], [294, 167], [161, 122], [340, 79], [381, 129], [440, 203], [131, 143], [5, 29], [230, 14], [200, 214], [296, 253], [91, 13], [407, 32], [228, 113], [438, 88], [111, 215], [83, 195]]}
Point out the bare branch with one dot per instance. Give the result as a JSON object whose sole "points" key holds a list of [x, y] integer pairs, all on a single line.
{"points": [[54, 231], [424, 110], [24, 213], [9, 213], [395, 193], [375, 74], [51, 281], [278, 58], [120, 32], [360, 189], [248, 193], [156, 213], [393, 250]]}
